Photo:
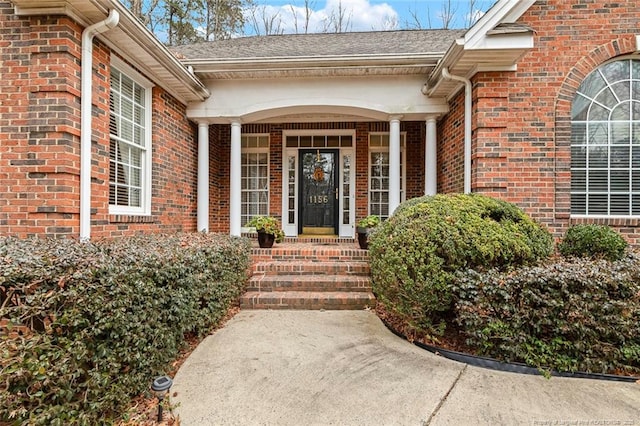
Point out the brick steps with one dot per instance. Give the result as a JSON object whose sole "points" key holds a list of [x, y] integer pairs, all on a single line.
{"points": [[312, 283], [316, 275], [330, 300], [312, 268]]}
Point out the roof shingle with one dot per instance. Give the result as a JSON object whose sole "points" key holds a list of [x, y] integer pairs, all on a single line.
{"points": [[402, 42]]}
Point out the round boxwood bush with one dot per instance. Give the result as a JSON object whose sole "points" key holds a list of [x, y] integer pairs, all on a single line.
{"points": [[590, 240], [416, 252]]}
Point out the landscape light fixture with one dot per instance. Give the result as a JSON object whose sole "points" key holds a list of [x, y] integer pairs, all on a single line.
{"points": [[160, 386]]}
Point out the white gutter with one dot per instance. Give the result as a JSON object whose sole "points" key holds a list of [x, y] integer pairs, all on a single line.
{"points": [[86, 119], [467, 125]]}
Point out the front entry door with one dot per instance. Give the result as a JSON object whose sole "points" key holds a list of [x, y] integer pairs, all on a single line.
{"points": [[318, 192]]}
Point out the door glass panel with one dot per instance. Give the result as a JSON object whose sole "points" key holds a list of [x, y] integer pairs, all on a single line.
{"points": [[346, 189], [291, 214]]}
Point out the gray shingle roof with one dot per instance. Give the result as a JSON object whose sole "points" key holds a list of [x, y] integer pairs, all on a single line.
{"points": [[323, 44]]}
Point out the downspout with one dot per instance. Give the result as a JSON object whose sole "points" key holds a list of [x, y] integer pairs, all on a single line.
{"points": [[467, 125], [86, 119]]}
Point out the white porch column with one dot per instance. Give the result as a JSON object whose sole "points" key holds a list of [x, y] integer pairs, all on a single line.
{"points": [[431, 158], [394, 163], [235, 203], [203, 177]]}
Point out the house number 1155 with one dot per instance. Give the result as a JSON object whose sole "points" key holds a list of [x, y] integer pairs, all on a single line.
{"points": [[318, 199]]}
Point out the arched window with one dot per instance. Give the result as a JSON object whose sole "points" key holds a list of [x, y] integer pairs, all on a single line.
{"points": [[605, 142]]}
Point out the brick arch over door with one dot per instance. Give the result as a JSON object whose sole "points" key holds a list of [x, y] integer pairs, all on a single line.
{"points": [[621, 46]]}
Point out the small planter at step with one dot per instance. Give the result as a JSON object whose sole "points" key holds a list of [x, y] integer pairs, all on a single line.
{"points": [[363, 237], [266, 240]]}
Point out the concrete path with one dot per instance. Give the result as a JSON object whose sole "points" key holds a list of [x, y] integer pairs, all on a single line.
{"points": [[346, 368]]}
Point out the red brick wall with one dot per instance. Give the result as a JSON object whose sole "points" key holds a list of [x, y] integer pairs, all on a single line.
{"points": [[40, 138], [416, 134], [521, 121], [451, 147], [39, 125]]}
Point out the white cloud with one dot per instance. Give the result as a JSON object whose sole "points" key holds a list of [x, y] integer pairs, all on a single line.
{"points": [[357, 15]]}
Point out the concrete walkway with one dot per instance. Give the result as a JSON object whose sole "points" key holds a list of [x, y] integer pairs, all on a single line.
{"points": [[346, 368]]}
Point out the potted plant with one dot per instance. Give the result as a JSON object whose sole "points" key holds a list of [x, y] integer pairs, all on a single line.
{"points": [[268, 229], [364, 227]]}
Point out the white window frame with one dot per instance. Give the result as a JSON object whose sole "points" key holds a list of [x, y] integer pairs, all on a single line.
{"points": [[257, 150], [608, 145], [383, 149], [146, 154]]}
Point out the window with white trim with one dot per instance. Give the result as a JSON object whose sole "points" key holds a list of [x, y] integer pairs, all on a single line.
{"points": [[379, 173], [255, 176], [130, 141], [605, 142]]}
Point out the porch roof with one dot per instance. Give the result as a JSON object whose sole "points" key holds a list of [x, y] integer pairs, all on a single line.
{"points": [[335, 54]]}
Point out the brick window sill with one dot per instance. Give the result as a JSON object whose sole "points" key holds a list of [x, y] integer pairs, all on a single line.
{"points": [[624, 221], [123, 218]]}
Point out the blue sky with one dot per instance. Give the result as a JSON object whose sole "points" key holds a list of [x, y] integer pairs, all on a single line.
{"points": [[366, 15]]}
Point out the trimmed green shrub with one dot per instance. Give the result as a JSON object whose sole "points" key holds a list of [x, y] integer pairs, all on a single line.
{"points": [[579, 315], [90, 324], [415, 253], [590, 240]]}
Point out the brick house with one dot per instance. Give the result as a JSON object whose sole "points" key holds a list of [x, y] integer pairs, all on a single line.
{"points": [[106, 132]]}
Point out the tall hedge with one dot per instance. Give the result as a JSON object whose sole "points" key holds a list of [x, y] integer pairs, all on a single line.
{"points": [[576, 315], [89, 325], [415, 253]]}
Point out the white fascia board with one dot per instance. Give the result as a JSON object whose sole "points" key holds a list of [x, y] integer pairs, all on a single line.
{"points": [[504, 11], [514, 41]]}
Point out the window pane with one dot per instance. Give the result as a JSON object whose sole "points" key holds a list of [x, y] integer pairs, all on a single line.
{"points": [[580, 107], [598, 112], [619, 204], [622, 112], [619, 157], [597, 204], [598, 180], [620, 181], [606, 98], [598, 157], [592, 84], [615, 71], [622, 90]]}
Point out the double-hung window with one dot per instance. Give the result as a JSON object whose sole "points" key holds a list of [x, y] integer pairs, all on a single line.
{"points": [[379, 173], [605, 142], [130, 141], [255, 176]]}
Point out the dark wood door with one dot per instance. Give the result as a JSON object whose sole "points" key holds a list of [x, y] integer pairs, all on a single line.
{"points": [[318, 192]]}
